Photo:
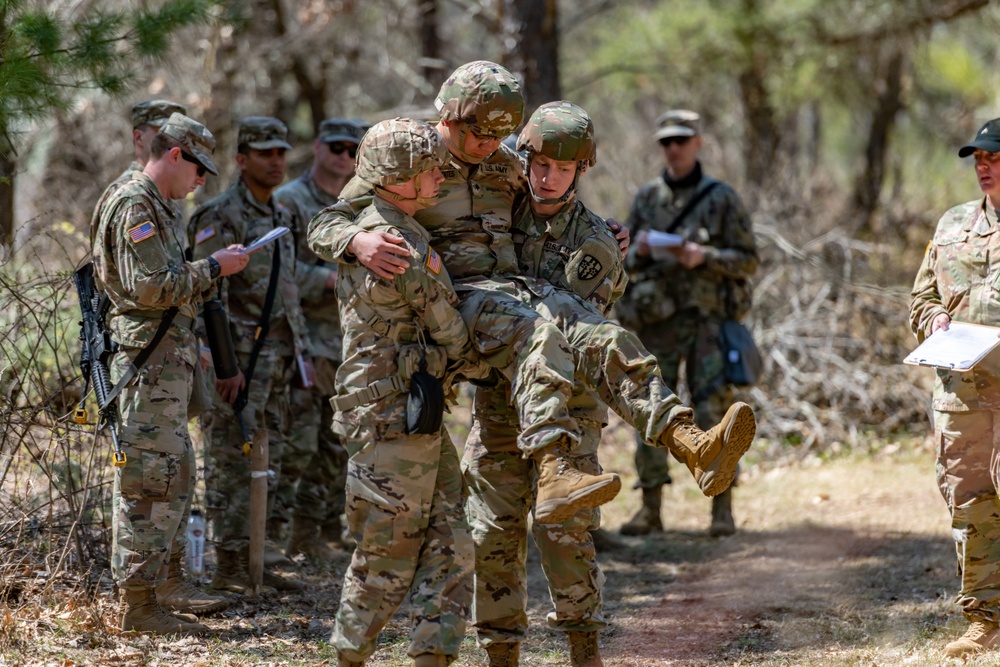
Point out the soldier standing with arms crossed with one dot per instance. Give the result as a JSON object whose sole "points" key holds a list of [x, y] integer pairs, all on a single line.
{"points": [[676, 303], [139, 262], [405, 495], [959, 280], [314, 470], [270, 332], [559, 240]]}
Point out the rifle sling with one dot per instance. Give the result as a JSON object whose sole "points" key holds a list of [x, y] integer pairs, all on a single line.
{"points": [[142, 357], [263, 328], [699, 194]]}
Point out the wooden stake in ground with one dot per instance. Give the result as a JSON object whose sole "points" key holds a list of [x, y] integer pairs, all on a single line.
{"points": [[258, 507]]}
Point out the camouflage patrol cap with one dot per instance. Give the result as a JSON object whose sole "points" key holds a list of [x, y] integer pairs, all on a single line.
{"points": [[194, 137], [154, 112], [987, 139], [677, 123], [485, 95], [341, 129], [394, 151], [262, 133], [560, 131]]}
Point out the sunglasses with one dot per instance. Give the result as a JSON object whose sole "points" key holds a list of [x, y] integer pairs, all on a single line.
{"points": [[193, 160], [680, 141], [338, 147]]}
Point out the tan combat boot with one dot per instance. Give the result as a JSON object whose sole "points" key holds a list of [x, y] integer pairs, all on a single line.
{"points": [[503, 655], [647, 519], [178, 595], [305, 540], [583, 649], [563, 490], [713, 456], [432, 660], [274, 555], [233, 574], [142, 614], [722, 515], [343, 661], [980, 636]]}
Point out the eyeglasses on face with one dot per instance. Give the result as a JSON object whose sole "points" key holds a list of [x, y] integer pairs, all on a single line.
{"points": [[338, 147], [193, 160], [680, 141]]}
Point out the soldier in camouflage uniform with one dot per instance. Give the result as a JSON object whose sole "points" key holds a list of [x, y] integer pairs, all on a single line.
{"points": [[147, 118], [139, 260], [314, 467], [241, 214], [543, 339], [405, 494], [959, 280], [559, 240], [676, 304]]}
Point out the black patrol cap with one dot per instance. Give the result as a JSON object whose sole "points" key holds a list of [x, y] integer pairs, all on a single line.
{"points": [[987, 139]]}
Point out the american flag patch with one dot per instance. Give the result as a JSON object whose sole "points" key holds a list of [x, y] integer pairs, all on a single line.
{"points": [[141, 232], [434, 261], [204, 234]]}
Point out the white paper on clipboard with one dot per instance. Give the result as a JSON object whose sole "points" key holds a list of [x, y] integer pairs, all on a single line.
{"points": [[275, 233], [959, 348]]}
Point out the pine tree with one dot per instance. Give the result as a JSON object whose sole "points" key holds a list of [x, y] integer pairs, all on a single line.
{"points": [[47, 56]]}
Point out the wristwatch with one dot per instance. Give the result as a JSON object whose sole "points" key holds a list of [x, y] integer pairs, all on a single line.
{"points": [[214, 267]]}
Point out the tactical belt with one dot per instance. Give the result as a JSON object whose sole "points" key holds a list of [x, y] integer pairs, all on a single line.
{"points": [[373, 392], [169, 316]]}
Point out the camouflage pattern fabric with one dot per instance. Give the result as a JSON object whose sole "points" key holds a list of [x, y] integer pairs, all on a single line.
{"points": [[405, 494], [140, 263], [315, 464], [958, 277], [501, 482], [235, 216], [227, 468], [484, 95], [113, 187], [682, 309], [155, 112], [262, 133]]}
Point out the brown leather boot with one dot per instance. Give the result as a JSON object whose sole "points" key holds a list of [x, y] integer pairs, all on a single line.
{"points": [[713, 456], [647, 519], [432, 660], [722, 515], [177, 594], [142, 614], [583, 649], [503, 655], [563, 490], [305, 540], [980, 636], [347, 662]]}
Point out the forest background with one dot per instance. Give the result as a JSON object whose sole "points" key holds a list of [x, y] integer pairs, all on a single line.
{"points": [[838, 121]]}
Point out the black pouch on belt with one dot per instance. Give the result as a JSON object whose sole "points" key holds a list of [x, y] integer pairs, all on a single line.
{"points": [[425, 404]]}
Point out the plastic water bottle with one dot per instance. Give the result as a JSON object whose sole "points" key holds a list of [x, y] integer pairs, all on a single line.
{"points": [[196, 543]]}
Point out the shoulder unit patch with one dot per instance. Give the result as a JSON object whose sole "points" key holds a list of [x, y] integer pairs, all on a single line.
{"points": [[433, 261]]}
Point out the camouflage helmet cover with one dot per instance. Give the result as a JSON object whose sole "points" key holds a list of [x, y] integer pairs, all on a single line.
{"points": [[560, 131], [484, 95], [395, 151]]}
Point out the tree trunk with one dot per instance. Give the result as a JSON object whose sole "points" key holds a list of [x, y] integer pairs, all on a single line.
{"points": [[430, 41], [531, 48], [868, 186], [7, 166]]}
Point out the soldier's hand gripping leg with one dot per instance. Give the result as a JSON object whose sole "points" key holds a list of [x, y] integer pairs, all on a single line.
{"points": [[712, 456], [563, 490]]}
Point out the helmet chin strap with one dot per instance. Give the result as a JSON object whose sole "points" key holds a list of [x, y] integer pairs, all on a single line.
{"points": [[458, 146]]}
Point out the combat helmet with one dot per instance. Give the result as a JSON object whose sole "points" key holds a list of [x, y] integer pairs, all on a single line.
{"points": [[559, 131], [484, 95], [394, 151]]}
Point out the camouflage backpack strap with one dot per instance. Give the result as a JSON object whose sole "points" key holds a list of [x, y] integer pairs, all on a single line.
{"points": [[705, 185]]}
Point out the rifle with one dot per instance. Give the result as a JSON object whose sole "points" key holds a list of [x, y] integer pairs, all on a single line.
{"points": [[96, 349]]}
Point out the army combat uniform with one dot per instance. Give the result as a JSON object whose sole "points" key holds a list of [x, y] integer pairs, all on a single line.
{"points": [[677, 312], [501, 481], [314, 457], [235, 216], [405, 495], [960, 277]]}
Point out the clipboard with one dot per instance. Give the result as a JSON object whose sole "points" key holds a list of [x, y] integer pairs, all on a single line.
{"points": [[272, 235], [959, 348]]}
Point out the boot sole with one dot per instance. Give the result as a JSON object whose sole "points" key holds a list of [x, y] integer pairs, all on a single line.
{"points": [[558, 510], [737, 440], [199, 610]]}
